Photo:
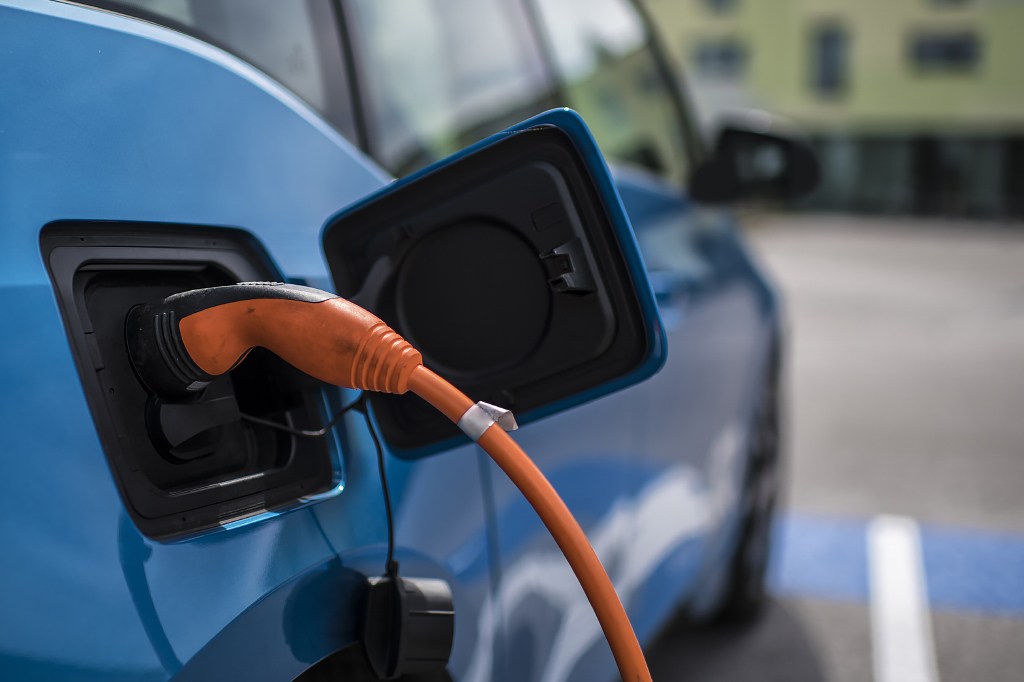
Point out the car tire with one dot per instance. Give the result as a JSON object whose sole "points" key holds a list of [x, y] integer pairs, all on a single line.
{"points": [[746, 591]]}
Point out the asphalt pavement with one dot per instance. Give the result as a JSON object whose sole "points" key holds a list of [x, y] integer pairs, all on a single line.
{"points": [[900, 554]]}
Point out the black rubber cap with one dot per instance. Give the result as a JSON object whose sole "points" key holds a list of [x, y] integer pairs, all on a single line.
{"points": [[409, 626]]}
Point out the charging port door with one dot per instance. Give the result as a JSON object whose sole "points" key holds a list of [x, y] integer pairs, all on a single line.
{"points": [[513, 268]]}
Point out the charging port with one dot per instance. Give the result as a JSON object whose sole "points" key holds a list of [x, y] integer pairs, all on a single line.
{"points": [[183, 467]]}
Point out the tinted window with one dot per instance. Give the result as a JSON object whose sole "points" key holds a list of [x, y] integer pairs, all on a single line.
{"points": [[720, 6], [441, 74], [720, 59], [946, 52], [829, 47], [611, 76], [294, 41]]}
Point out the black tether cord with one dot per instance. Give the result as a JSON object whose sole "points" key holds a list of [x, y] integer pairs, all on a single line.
{"points": [[319, 433], [359, 405], [390, 565]]}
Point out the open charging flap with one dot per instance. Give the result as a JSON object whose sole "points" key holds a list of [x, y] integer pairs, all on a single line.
{"points": [[513, 268]]}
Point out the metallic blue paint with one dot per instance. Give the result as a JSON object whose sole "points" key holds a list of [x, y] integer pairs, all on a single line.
{"points": [[121, 120], [109, 118]]}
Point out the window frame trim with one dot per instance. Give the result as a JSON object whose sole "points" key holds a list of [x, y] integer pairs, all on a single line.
{"points": [[693, 143]]}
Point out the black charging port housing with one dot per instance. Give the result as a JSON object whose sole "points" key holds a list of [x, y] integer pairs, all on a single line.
{"points": [[190, 466], [506, 269]]}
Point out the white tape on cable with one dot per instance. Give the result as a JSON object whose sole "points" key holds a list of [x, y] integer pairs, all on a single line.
{"points": [[479, 418]]}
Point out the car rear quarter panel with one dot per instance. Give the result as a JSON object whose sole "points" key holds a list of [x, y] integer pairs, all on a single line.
{"points": [[108, 118]]}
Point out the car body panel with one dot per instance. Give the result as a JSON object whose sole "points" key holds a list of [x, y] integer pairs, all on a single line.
{"points": [[122, 120], [117, 119]]}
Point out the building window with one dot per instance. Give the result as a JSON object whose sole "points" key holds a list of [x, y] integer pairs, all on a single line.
{"points": [[720, 59], [945, 52], [830, 47], [720, 6]]}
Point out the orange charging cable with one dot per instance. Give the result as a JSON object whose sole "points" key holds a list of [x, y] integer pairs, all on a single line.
{"points": [[559, 521], [179, 344]]}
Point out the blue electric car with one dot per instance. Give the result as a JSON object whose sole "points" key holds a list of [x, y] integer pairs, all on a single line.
{"points": [[149, 147]]}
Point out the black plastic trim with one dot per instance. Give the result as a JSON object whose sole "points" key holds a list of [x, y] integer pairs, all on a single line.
{"points": [[457, 260], [232, 469]]}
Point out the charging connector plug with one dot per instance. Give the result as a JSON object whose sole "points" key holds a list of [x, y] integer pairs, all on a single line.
{"points": [[178, 345]]}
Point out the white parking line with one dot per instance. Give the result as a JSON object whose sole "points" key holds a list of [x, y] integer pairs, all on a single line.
{"points": [[901, 631]]}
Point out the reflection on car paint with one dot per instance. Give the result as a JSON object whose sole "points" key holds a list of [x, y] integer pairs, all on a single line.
{"points": [[636, 537]]}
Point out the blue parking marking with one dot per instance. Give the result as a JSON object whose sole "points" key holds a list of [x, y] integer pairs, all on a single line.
{"points": [[974, 570], [965, 570], [820, 557]]}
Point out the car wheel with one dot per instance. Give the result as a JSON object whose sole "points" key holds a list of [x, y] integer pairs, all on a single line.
{"points": [[746, 592]]}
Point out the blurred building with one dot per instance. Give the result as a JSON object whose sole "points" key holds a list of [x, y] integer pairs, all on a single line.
{"points": [[917, 106]]}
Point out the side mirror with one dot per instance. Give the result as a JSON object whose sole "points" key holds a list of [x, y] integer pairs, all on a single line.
{"points": [[512, 267], [756, 155]]}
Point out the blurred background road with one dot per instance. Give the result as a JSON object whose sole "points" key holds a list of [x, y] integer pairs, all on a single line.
{"points": [[907, 360], [906, 386]]}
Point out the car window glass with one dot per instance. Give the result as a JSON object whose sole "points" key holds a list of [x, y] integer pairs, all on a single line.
{"points": [[295, 41], [610, 74], [441, 74]]}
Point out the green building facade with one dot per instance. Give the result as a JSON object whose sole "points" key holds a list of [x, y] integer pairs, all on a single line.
{"points": [[916, 106]]}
